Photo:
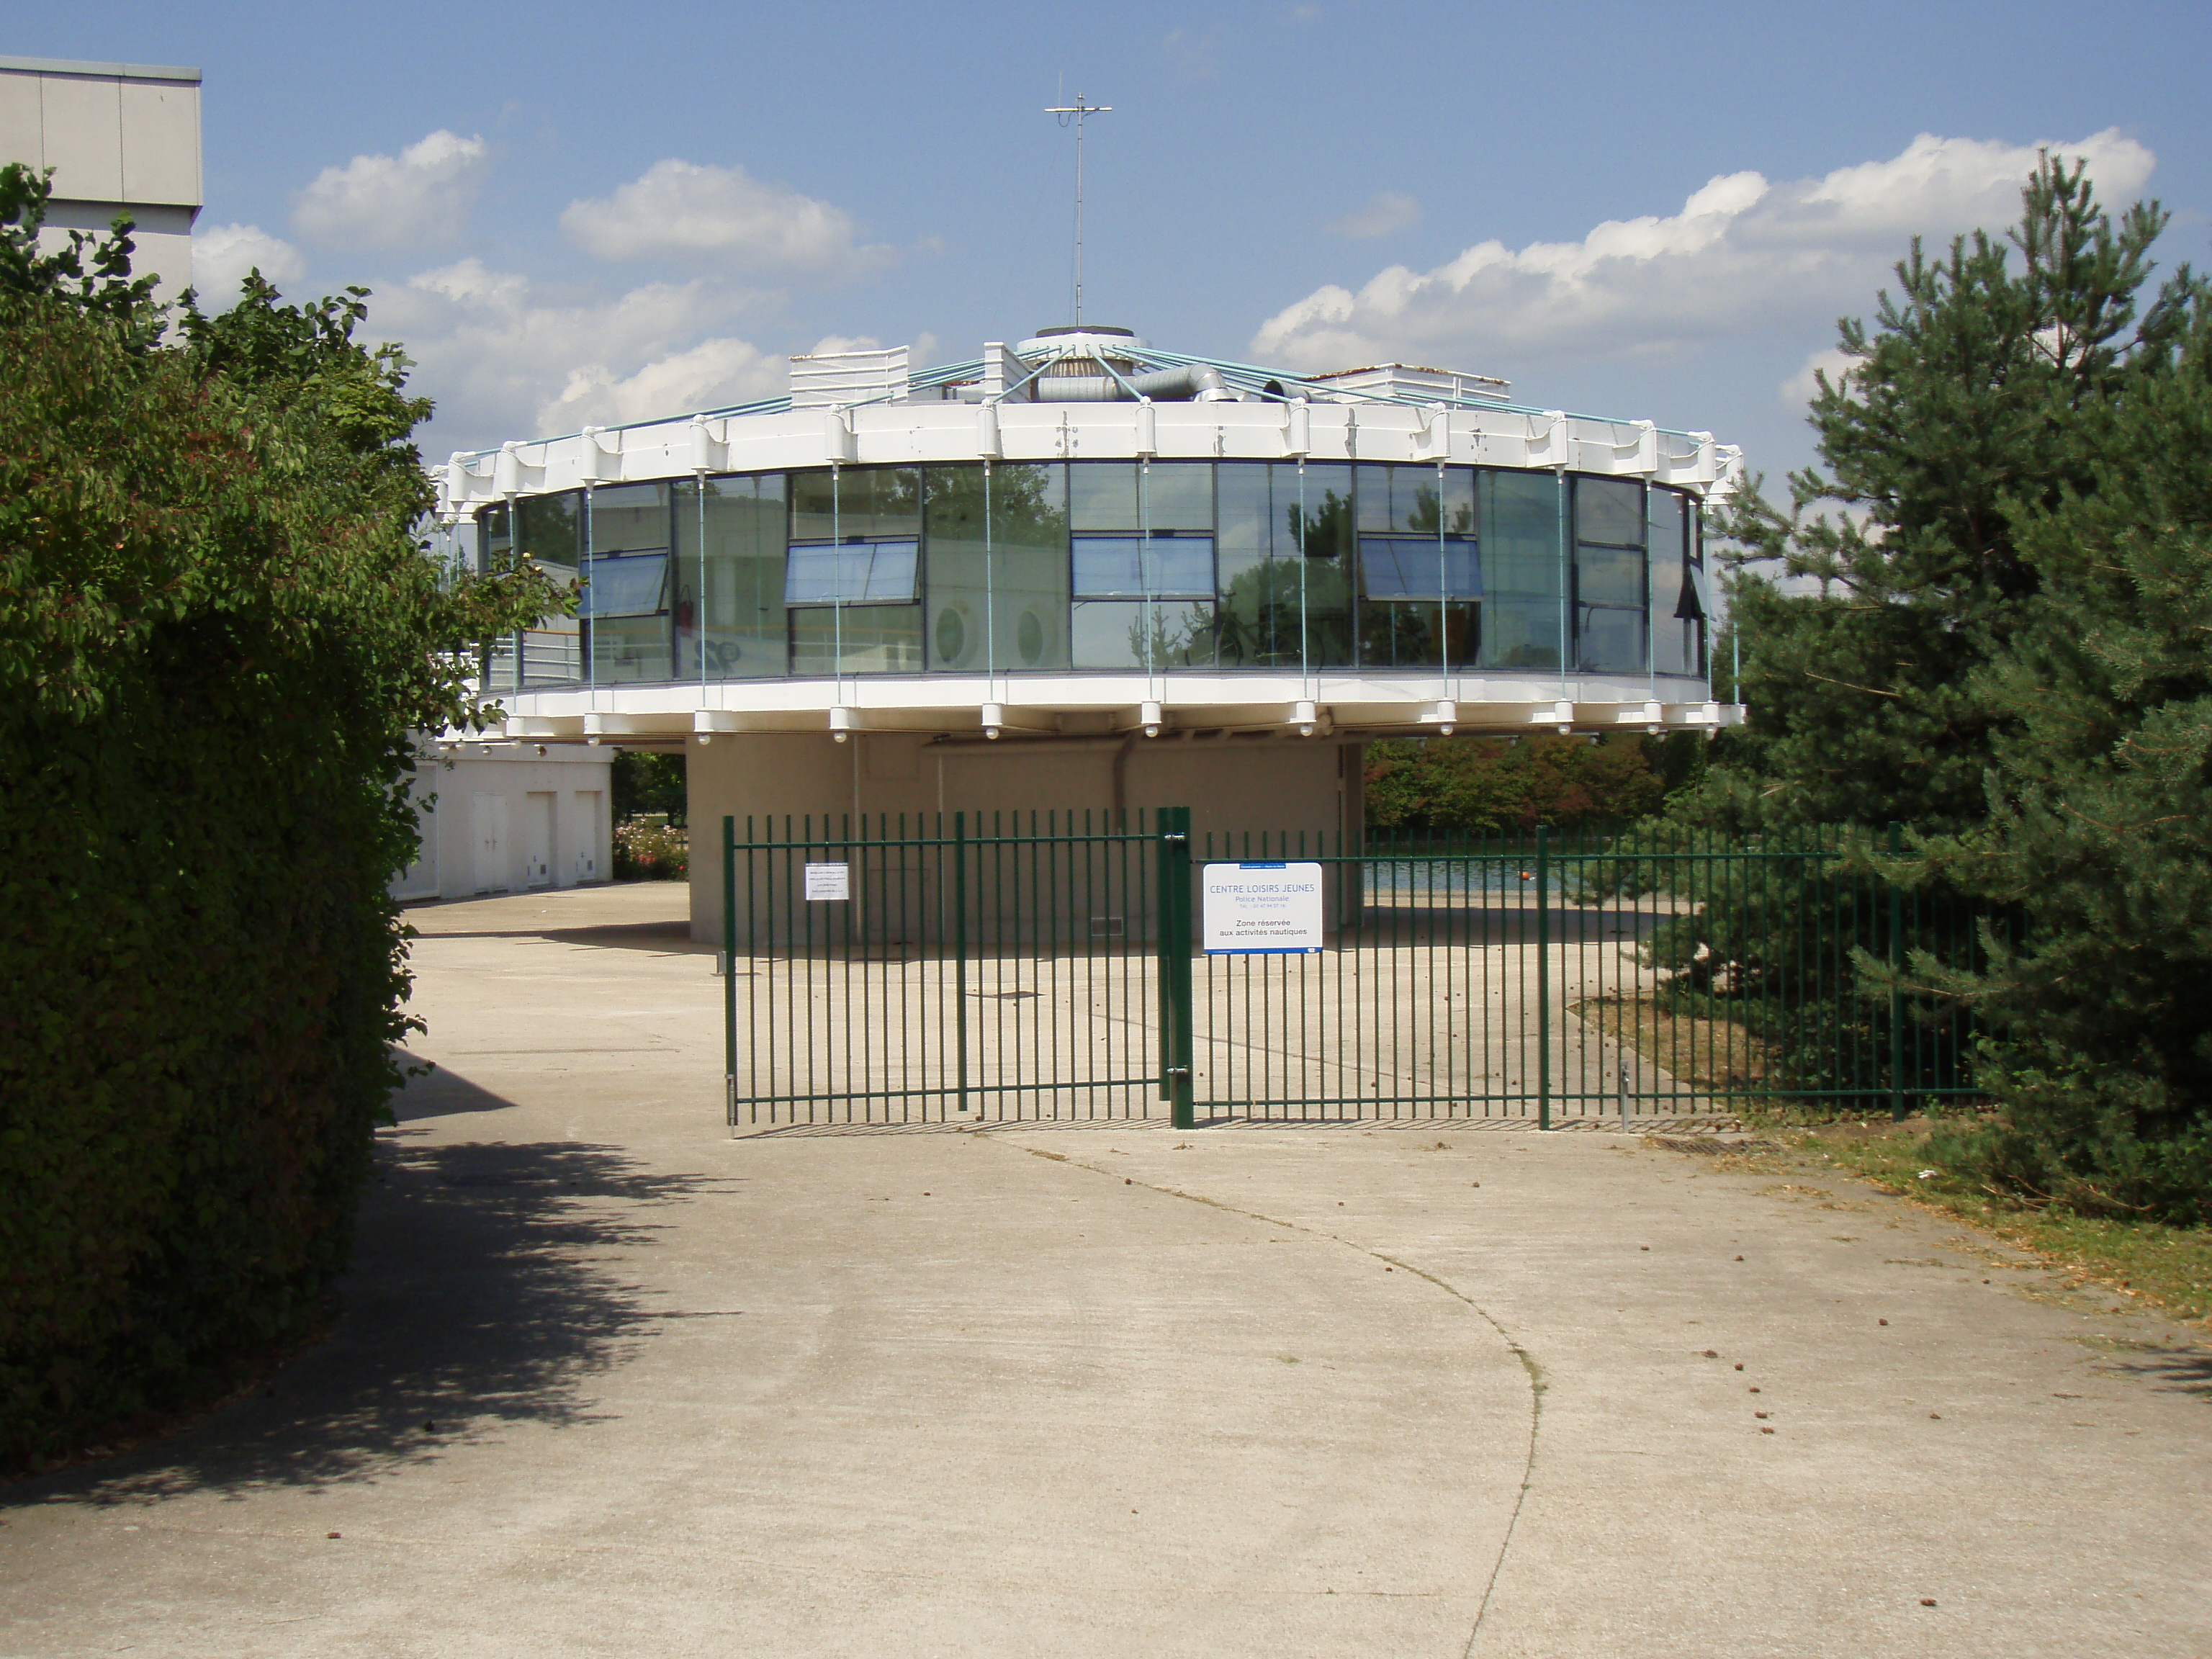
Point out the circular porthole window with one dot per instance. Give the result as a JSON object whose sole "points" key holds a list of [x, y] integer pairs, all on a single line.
{"points": [[952, 635], [1029, 638]]}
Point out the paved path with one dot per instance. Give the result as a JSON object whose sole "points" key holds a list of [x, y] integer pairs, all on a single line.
{"points": [[607, 1381]]}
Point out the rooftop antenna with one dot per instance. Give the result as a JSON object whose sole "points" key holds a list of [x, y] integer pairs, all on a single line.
{"points": [[1076, 112]]}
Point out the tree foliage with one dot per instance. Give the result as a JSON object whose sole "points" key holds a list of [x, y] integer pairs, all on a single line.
{"points": [[1992, 623], [1461, 785], [218, 637]]}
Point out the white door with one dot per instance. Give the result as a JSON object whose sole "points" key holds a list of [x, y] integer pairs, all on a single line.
{"points": [[589, 853], [488, 822], [538, 838]]}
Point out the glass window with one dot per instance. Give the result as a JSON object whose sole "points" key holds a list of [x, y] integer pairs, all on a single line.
{"points": [[1520, 634], [1672, 596], [1317, 510], [1418, 568], [628, 517], [1609, 641], [626, 585], [552, 531], [1102, 495], [1257, 570], [856, 573], [1014, 613], [1609, 510], [1522, 546], [1111, 567], [493, 541], [738, 625], [1402, 635], [874, 503], [1413, 499], [1179, 495], [1609, 575], [1121, 634], [872, 639]]}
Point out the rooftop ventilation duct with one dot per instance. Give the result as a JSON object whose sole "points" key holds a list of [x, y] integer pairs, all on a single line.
{"points": [[1192, 381]]}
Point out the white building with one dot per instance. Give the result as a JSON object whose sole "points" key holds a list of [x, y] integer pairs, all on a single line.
{"points": [[121, 138], [1083, 572]]}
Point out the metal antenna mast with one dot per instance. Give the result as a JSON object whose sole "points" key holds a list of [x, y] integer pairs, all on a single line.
{"points": [[1077, 110]]}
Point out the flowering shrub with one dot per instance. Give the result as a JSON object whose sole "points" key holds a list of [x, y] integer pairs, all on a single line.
{"points": [[651, 849]]}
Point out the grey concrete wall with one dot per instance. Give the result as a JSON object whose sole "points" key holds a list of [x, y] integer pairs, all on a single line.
{"points": [[1233, 789], [121, 138]]}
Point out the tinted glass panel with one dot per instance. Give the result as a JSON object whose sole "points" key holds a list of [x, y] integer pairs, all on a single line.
{"points": [[626, 518], [1609, 510], [552, 530], [1181, 495], [739, 625], [1669, 529], [1399, 636], [876, 640], [1407, 568], [1522, 547], [873, 503], [1109, 566], [995, 567], [1407, 498], [1119, 634], [1610, 641], [856, 573], [1102, 495], [1608, 575], [1521, 634], [626, 585], [1258, 619]]}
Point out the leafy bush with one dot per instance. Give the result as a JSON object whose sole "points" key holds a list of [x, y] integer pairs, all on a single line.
{"points": [[649, 849], [217, 633], [1461, 784]]}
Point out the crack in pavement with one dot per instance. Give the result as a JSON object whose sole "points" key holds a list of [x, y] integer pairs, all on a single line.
{"points": [[1528, 1362]]}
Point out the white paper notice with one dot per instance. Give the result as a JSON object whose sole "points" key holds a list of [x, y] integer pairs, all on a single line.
{"points": [[1260, 909], [829, 881]]}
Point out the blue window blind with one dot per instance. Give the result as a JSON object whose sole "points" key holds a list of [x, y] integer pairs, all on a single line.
{"points": [[626, 585], [1124, 566], [853, 573]]}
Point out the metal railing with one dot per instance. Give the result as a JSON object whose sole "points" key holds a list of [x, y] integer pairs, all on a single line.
{"points": [[997, 967]]}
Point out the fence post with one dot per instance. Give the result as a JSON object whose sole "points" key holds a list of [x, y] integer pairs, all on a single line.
{"points": [[960, 952], [1896, 980], [1543, 979], [730, 966], [1173, 823]]}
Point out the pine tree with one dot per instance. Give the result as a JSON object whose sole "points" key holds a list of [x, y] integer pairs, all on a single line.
{"points": [[2100, 822], [1954, 414]]}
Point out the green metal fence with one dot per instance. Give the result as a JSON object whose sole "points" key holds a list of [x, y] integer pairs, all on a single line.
{"points": [[1042, 966]]}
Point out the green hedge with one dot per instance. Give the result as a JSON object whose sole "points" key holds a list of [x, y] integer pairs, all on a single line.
{"points": [[217, 633]]}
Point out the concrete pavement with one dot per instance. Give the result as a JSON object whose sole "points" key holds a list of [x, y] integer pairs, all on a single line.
{"points": [[607, 1381]]}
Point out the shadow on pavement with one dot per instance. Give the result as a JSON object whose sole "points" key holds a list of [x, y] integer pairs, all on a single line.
{"points": [[474, 1302], [662, 938]]}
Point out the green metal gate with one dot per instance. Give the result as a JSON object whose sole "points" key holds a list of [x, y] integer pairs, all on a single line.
{"points": [[1046, 967]]}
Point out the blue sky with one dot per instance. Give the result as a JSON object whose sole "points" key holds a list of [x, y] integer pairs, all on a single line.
{"points": [[600, 213]]}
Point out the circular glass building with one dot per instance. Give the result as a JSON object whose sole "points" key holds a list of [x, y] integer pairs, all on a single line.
{"points": [[1079, 558]]}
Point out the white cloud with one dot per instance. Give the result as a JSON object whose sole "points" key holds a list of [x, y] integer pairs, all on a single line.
{"points": [[1742, 253], [1801, 388], [711, 374], [1392, 210], [222, 254], [506, 358], [679, 208], [419, 196]]}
